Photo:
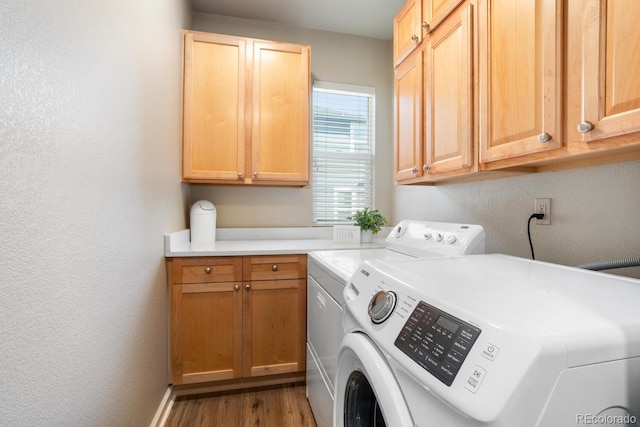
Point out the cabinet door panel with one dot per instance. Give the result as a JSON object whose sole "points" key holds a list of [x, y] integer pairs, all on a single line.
{"points": [[206, 332], [406, 30], [449, 101], [408, 118], [274, 327], [280, 132], [611, 54], [435, 11], [520, 77], [214, 105]]}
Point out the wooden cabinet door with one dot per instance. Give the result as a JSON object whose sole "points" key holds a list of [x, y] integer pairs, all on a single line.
{"points": [[407, 34], [436, 11], [520, 77], [611, 52], [281, 98], [448, 94], [213, 107], [408, 118], [206, 332], [274, 327]]}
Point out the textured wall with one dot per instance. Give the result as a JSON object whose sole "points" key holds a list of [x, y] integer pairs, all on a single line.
{"points": [[89, 183], [594, 212], [336, 58]]}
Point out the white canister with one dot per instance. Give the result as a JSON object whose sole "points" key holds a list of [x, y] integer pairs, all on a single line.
{"points": [[203, 225]]}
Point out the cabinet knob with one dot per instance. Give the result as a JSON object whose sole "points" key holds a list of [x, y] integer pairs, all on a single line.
{"points": [[207, 270], [426, 168], [414, 38], [274, 267], [425, 27], [414, 170], [544, 137], [247, 287], [585, 127], [236, 288], [239, 175], [255, 174]]}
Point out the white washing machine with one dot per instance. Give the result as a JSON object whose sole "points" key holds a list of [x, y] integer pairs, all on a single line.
{"points": [[329, 273], [488, 340]]}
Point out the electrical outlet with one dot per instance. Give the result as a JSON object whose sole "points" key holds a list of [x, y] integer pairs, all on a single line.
{"points": [[543, 206]]}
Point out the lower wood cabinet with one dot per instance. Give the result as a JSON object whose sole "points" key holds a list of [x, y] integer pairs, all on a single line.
{"points": [[236, 318]]}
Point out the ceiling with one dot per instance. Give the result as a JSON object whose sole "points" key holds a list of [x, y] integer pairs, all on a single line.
{"points": [[368, 18]]}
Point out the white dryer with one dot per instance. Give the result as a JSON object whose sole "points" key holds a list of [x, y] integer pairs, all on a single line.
{"points": [[329, 273], [488, 340]]}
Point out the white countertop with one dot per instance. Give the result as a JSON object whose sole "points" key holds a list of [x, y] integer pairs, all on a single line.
{"points": [[267, 241]]}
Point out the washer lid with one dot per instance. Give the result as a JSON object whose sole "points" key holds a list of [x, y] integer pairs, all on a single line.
{"points": [[343, 263]]}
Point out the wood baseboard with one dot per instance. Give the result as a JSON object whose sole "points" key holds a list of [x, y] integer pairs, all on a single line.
{"points": [[164, 409]]}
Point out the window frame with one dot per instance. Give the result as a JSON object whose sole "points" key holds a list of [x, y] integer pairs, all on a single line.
{"points": [[364, 161]]}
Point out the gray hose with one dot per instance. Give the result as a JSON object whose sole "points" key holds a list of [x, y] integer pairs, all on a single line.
{"points": [[608, 265]]}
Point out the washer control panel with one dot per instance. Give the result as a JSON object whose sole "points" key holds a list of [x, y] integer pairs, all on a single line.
{"points": [[437, 341], [426, 238]]}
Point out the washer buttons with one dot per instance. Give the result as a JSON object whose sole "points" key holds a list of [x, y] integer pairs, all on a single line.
{"points": [[474, 381], [490, 352]]}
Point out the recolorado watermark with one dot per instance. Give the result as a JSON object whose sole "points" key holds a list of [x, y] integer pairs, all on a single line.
{"points": [[606, 419]]}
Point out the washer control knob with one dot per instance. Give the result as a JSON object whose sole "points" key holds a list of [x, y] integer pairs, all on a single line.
{"points": [[451, 239], [381, 306], [400, 231], [438, 236], [427, 235]]}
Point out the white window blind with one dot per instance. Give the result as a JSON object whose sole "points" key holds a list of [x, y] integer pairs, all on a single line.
{"points": [[343, 151]]}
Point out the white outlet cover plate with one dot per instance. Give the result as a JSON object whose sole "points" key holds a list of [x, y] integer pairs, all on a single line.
{"points": [[547, 218]]}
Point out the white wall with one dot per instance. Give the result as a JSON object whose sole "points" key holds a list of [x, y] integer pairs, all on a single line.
{"points": [[337, 58], [89, 183], [595, 213]]}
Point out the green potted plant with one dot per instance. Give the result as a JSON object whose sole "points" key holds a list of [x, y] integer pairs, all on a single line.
{"points": [[370, 222]]}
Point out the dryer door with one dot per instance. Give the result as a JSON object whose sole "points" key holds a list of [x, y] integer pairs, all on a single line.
{"points": [[367, 393]]}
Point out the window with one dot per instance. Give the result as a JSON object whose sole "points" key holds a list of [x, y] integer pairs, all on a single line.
{"points": [[343, 151]]}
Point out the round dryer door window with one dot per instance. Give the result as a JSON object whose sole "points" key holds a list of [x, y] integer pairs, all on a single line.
{"points": [[366, 392], [361, 407]]}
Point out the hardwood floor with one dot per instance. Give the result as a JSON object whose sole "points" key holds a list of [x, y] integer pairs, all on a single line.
{"points": [[278, 406]]}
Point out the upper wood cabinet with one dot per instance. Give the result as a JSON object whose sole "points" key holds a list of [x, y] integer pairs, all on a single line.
{"points": [[408, 121], [435, 11], [434, 103], [246, 111], [214, 107], [515, 86], [520, 77], [415, 21], [407, 33], [611, 54], [448, 69], [281, 98]]}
